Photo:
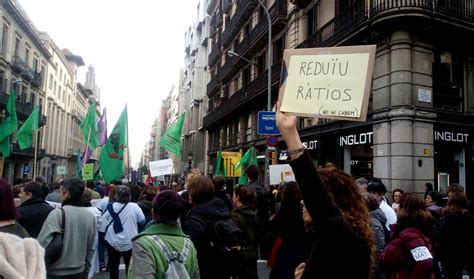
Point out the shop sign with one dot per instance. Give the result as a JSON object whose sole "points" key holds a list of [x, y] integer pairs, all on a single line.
{"points": [[357, 139], [312, 144], [450, 136]]}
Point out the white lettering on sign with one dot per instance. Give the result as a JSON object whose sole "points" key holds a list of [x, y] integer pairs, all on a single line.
{"points": [[450, 136], [354, 162], [421, 253], [363, 138], [312, 144]]}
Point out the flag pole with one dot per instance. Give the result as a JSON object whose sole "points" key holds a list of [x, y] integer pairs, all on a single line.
{"points": [[128, 148], [36, 152]]}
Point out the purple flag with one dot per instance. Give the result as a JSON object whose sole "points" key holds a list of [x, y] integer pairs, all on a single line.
{"points": [[102, 128], [86, 156]]}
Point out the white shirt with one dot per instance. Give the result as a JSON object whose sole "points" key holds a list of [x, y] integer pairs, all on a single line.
{"points": [[389, 213], [130, 216]]}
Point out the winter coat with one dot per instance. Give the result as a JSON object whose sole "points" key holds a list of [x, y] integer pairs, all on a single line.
{"points": [[378, 220], [338, 252], [246, 220], [199, 226], [33, 213], [263, 208], [455, 244], [289, 225], [408, 256], [21, 258]]}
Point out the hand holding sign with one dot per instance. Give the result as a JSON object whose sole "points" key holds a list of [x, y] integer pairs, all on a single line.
{"points": [[327, 82]]}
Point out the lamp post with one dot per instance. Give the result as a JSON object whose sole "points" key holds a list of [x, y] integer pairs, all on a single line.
{"points": [[269, 79]]}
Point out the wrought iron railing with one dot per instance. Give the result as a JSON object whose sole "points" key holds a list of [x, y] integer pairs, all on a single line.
{"points": [[214, 55], [213, 84], [244, 10]]}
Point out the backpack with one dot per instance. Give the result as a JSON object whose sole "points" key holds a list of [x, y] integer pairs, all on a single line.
{"points": [[228, 240], [176, 268]]}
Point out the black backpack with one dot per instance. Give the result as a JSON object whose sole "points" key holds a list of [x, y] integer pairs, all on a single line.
{"points": [[228, 240]]}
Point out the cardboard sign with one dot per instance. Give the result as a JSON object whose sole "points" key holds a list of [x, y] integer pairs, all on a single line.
{"points": [[281, 173], [327, 82], [230, 160], [88, 171], [161, 167]]}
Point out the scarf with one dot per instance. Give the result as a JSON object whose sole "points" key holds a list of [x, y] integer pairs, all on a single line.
{"points": [[76, 203], [118, 228]]}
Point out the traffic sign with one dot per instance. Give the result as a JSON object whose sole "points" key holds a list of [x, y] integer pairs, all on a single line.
{"points": [[272, 141], [267, 123], [26, 169]]}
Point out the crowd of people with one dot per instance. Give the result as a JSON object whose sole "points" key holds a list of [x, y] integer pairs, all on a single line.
{"points": [[326, 224]]}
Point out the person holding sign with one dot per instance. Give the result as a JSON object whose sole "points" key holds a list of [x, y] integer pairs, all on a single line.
{"points": [[344, 242]]}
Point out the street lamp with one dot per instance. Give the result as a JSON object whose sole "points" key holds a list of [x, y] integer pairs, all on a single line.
{"points": [[269, 79]]}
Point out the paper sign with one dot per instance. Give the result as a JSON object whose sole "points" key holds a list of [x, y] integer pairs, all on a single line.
{"points": [[61, 170], [281, 173], [230, 160], [88, 171], [327, 82], [161, 167]]}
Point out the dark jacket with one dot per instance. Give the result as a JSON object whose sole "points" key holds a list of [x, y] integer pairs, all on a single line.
{"points": [[455, 244], [246, 220], [263, 209], [338, 251], [33, 213], [199, 226], [398, 259], [222, 194], [378, 220], [289, 225]]}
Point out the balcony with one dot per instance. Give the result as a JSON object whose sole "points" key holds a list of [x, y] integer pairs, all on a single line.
{"points": [[27, 153], [37, 80], [279, 18], [214, 55], [213, 84], [244, 10], [227, 6], [211, 6], [28, 74], [244, 95], [213, 25], [18, 65]]}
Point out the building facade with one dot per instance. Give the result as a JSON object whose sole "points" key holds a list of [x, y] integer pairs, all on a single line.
{"points": [[420, 119], [24, 63]]}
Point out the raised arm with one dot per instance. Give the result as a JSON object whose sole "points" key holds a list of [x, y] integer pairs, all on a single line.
{"points": [[315, 194]]}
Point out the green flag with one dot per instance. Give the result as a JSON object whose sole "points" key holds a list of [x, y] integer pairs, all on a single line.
{"points": [[26, 131], [171, 140], [5, 147], [245, 159], [111, 155], [220, 168], [10, 122], [89, 127]]}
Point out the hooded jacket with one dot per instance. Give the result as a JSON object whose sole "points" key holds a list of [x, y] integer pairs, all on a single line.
{"points": [[378, 220], [198, 225], [21, 258]]}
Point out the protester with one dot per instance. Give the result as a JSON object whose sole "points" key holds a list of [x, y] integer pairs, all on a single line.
{"points": [[33, 209], [91, 187], [145, 202], [428, 188], [362, 183], [220, 192], [289, 239], [8, 212], [148, 259], [455, 187], [44, 186], [455, 237], [244, 215], [377, 188], [86, 198], [409, 253], [199, 225], [396, 197], [378, 220], [55, 195], [340, 217], [79, 233], [432, 200], [120, 224], [263, 203]]}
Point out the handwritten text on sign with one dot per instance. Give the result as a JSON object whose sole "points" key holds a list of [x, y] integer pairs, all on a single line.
{"points": [[161, 167], [329, 82]]}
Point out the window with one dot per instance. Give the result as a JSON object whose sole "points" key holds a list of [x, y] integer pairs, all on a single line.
{"points": [[27, 56], [278, 48], [311, 26], [17, 46], [51, 81], [60, 74], [248, 130], [448, 93], [4, 39], [35, 64]]}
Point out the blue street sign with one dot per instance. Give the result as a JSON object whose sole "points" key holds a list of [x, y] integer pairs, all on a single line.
{"points": [[26, 169], [267, 123]]}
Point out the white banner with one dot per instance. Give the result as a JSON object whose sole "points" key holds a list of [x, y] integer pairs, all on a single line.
{"points": [[281, 173], [161, 167]]}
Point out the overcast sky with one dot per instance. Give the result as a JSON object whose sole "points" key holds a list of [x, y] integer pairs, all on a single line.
{"points": [[136, 47]]}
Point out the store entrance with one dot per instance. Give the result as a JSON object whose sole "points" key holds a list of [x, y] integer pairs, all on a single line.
{"points": [[449, 166]]}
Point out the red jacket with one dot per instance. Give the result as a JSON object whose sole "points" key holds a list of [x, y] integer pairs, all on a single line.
{"points": [[408, 255]]}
